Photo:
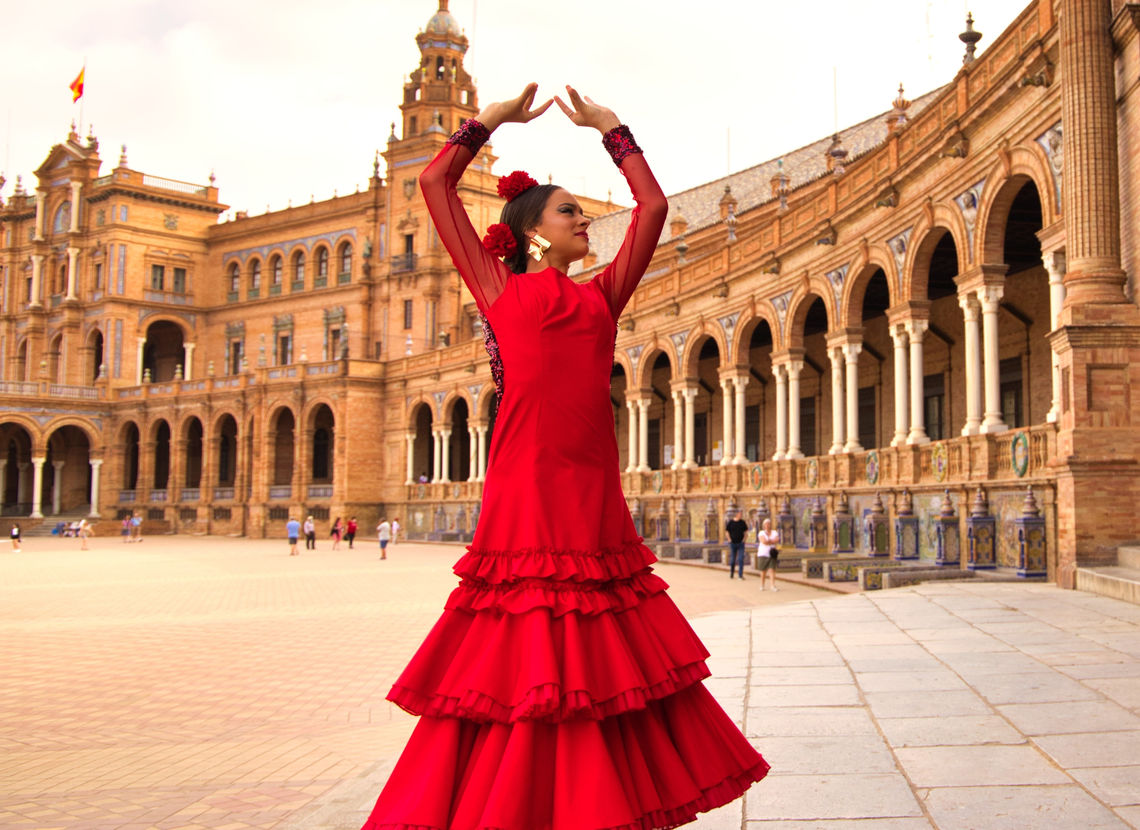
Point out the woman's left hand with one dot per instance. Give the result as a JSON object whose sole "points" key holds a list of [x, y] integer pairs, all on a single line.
{"points": [[586, 113]]}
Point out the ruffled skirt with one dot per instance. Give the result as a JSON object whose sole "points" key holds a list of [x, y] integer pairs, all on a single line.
{"points": [[560, 690]]}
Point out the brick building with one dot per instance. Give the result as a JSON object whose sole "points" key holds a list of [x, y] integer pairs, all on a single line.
{"points": [[904, 325]]}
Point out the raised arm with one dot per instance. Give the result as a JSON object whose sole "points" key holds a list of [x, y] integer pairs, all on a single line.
{"points": [[483, 273], [619, 279]]}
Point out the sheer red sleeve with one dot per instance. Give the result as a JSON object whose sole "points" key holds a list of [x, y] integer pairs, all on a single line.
{"points": [[483, 274], [619, 279]]}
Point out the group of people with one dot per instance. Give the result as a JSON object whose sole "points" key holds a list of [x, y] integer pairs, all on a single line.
{"points": [[340, 530], [131, 529], [767, 551]]}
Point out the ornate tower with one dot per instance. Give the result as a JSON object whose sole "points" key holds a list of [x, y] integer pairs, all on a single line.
{"points": [[440, 93]]}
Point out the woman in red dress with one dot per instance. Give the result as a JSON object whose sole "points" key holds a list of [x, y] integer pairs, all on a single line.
{"points": [[561, 688]]}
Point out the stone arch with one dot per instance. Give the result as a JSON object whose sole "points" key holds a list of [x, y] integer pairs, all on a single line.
{"points": [[224, 438], [704, 331], [95, 351], [66, 482], [623, 360], [320, 421], [742, 335], [19, 438], [21, 365], [448, 407], [926, 235], [164, 351], [128, 441], [192, 431], [159, 436], [858, 277], [993, 216], [281, 440], [422, 422], [648, 358], [799, 305]]}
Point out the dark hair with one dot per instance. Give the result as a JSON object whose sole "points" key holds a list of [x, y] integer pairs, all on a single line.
{"points": [[520, 215]]}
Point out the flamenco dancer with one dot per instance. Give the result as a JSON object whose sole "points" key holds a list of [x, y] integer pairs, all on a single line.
{"points": [[561, 688]]}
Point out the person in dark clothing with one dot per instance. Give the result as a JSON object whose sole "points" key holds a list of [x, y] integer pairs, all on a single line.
{"points": [[736, 527]]}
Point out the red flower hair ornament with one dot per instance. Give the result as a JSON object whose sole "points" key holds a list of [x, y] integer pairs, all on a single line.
{"points": [[500, 240], [515, 183]]}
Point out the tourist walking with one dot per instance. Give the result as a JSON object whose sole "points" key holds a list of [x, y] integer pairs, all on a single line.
{"points": [[336, 532], [767, 554], [350, 531], [395, 530], [310, 534], [292, 531], [15, 534], [136, 527], [83, 531], [736, 527], [561, 688], [384, 535]]}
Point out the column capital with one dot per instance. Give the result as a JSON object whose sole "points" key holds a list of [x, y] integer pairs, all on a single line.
{"points": [[689, 392], [741, 381], [844, 337], [851, 351], [915, 329], [38, 461], [780, 372], [643, 404], [968, 302], [38, 258], [683, 384], [914, 310], [990, 298], [786, 356], [897, 331], [794, 368], [975, 277], [1054, 262]]}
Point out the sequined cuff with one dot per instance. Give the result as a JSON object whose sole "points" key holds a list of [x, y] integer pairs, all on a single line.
{"points": [[471, 135], [619, 143]]}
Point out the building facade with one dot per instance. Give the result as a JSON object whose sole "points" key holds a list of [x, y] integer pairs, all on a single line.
{"points": [[927, 320]]}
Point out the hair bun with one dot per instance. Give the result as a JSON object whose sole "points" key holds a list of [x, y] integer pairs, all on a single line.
{"points": [[515, 183]]}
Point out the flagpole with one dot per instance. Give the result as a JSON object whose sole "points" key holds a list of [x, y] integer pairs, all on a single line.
{"points": [[81, 101]]}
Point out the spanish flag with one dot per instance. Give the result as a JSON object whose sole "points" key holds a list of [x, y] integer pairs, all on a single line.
{"points": [[77, 86]]}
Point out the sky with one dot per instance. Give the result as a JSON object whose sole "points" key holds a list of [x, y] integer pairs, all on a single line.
{"points": [[286, 101]]}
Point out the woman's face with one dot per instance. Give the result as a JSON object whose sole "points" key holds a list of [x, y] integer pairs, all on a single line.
{"points": [[564, 226], [767, 524]]}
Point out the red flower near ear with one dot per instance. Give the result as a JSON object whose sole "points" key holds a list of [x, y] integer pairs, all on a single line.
{"points": [[515, 183], [500, 241]]}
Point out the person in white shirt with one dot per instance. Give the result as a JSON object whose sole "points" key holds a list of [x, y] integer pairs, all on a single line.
{"points": [[395, 531], [384, 533], [767, 554]]}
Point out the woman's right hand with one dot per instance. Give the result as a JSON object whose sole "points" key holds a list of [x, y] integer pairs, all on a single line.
{"points": [[518, 110]]}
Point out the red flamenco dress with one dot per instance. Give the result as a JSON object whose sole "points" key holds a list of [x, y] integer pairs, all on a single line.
{"points": [[561, 689]]}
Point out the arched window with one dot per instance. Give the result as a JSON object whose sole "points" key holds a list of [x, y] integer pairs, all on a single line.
{"points": [[62, 221], [254, 277], [275, 269], [345, 270], [298, 270], [235, 278], [322, 265]]}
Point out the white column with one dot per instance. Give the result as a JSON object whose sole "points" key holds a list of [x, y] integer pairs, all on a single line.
{"points": [[781, 374], [678, 433], [643, 435], [37, 279], [741, 382], [37, 487], [72, 269], [851, 355], [835, 355], [472, 454], [898, 336], [56, 487], [990, 298], [690, 396], [726, 422], [445, 440], [794, 369], [915, 329], [140, 346], [95, 463], [631, 407], [1055, 265], [41, 196], [482, 453], [410, 442], [969, 308], [76, 190], [437, 455], [187, 373], [22, 482]]}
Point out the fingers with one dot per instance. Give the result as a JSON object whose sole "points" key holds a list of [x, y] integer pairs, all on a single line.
{"points": [[562, 105], [575, 98], [540, 110]]}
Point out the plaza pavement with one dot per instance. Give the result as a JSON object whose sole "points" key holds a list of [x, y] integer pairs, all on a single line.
{"points": [[218, 684]]}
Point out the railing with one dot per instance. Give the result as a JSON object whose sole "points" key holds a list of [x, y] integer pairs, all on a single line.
{"points": [[223, 494], [126, 496], [403, 262], [158, 495], [289, 372], [176, 186], [19, 387], [190, 494], [102, 180], [177, 298], [60, 390], [278, 492], [320, 491], [322, 369]]}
